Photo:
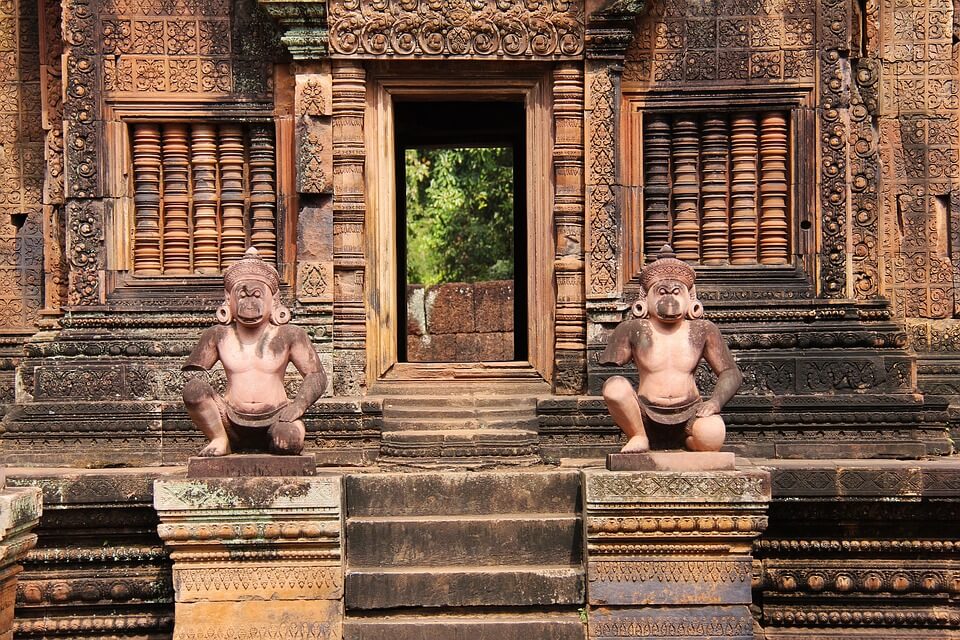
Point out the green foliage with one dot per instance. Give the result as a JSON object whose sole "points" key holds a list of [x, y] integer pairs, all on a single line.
{"points": [[459, 214]]}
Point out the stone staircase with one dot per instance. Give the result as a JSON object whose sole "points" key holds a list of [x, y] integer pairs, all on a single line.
{"points": [[462, 555], [486, 426]]}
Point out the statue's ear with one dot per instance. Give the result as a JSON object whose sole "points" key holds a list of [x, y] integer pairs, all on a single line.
{"points": [[280, 313], [639, 308], [224, 316], [695, 310]]}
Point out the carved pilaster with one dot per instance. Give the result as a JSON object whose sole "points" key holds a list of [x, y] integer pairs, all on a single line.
{"points": [[349, 210], [83, 168], [568, 225], [85, 251], [602, 188], [669, 553]]}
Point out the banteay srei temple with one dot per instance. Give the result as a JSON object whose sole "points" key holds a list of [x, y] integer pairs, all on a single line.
{"points": [[475, 319]]}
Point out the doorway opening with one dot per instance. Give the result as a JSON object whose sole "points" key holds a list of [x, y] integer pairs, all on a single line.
{"points": [[461, 231]]}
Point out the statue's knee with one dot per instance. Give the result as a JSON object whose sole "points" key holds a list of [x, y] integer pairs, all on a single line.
{"points": [[706, 434], [617, 389], [196, 391], [287, 437]]}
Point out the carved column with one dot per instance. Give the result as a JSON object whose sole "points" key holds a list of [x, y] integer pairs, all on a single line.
{"points": [[349, 210], [176, 199], [685, 156], [669, 553], [716, 187], [255, 557], [570, 369], [774, 230], [20, 510], [656, 184], [743, 189]]}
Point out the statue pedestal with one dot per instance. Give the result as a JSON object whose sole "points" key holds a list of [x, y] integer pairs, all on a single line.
{"points": [[669, 553], [255, 557], [20, 509]]}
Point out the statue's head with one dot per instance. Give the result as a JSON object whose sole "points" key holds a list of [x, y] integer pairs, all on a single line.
{"points": [[250, 288], [668, 289]]}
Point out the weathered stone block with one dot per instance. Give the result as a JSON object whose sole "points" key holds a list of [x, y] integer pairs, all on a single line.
{"points": [[669, 580], [450, 308], [671, 623], [302, 620], [255, 465], [493, 304], [20, 510], [671, 461]]}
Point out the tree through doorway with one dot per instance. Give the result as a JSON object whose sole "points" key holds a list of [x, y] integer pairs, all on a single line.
{"points": [[461, 221]]}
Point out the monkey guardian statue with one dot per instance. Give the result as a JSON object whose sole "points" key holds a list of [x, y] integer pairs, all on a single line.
{"points": [[255, 344], [666, 339]]}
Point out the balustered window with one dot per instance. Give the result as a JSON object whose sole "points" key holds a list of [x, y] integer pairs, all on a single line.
{"points": [[716, 186], [203, 192]]}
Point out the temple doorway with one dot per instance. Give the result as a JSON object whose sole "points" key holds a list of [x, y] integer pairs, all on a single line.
{"points": [[460, 184]]}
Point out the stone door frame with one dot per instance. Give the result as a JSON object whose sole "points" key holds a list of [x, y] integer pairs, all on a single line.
{"points": [[387, 81]]}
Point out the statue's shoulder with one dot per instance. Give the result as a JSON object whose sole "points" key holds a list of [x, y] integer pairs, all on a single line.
{"points": [[705, 329], [292, 333], [214, 333]]}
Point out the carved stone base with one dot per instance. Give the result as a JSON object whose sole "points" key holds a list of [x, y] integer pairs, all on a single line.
{"points": [[254, 557], [19, 513], [254, 465], [669, 553]]}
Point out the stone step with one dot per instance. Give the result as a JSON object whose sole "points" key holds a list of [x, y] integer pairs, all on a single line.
{"points": [[438, 541], [465, 423], [463, 587], [448, 446], [485, 402], [433, 626], [463, 493]]}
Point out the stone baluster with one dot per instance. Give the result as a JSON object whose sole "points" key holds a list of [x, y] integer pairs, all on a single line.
{"points": [[743, 189], [774, 228], [656, 184], [176, 199], [146, 184], [263, 191], [233, 237], [716, 186], [686, 188], [206, 235]]}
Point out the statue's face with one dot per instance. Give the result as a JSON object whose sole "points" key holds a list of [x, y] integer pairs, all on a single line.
{"points": [[252, 302], [668, 300]]}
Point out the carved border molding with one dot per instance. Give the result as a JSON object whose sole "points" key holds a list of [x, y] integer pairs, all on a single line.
{"points": [[470, 28]]}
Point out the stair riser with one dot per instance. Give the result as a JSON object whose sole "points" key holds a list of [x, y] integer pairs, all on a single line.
{"points": [[514, 589], [439, 630], [442, 543], [417, 494]]}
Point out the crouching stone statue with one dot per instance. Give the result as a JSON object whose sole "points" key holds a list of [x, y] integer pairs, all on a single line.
{"points": [[666, 339], [255, 344]]}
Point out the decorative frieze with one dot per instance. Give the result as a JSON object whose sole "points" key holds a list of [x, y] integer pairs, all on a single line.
{"points": [[483, 28]]}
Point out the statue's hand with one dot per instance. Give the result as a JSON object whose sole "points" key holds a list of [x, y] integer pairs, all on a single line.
{"points": [[290, 413], [708, 408]]}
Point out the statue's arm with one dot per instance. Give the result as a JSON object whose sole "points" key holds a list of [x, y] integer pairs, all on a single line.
{"points": [[619, 348], [307, 362], [718, 356], [205, 354]]}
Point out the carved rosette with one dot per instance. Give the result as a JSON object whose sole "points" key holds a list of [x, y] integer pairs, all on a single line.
{"points": [[479, 28], [672, 550], [251, 553]]}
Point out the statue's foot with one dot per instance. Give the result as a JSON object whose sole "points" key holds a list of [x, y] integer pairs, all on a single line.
{"points": [[636, 444], [217, 447]]}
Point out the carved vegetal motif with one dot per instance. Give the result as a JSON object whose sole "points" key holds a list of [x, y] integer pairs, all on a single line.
{"points": [[546, 28], [81, 103], [671, 625], [716, 487], [200, 170], [85, 250], [602, 207], [665, 571]]}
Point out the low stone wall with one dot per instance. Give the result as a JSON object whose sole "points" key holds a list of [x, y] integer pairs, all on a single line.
{"points": [[460, 322]]}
